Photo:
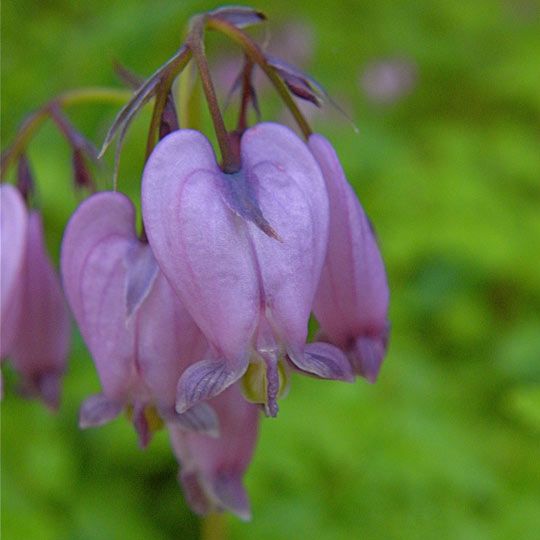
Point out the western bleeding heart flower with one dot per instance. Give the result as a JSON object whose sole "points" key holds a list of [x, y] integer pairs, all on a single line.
{"points": [[35, 320], [351, 303], [211, 469], [244, 251], [14, 226], [139, 334]]}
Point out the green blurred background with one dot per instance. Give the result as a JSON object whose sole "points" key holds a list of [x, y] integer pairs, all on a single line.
{"points": [[447, 443]]}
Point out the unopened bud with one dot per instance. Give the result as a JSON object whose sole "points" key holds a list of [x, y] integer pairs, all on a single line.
{"points": [[81, 174], [169, 119], [25, 179]]}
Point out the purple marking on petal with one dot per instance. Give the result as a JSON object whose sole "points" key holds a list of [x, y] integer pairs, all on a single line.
{"points": [[229, 491], [141, 269], [204, 380], [201, 418], [325, 361], [97, 410], [239, 191]]}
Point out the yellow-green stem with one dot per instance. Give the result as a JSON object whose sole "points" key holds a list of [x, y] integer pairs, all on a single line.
{"points": [[214, 527]]}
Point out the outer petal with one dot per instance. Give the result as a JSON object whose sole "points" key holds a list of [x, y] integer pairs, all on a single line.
{"points": [[97, 410], [168, 342], [327, 362], [200, 244], [140, 335], [43, 335], [293, 199], [352, 298], [96, 242], [13, 229], [212, 469]]}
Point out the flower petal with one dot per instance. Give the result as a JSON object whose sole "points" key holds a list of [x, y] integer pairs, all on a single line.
{"points": [[97, 239], [212, 468], [203, 381], [168, 341], [228, 489], [325, 361], [194, 493], [42, 344], [200, 245], [142, 270], [201, 418], [293, 198], [13, 225], [353, 295], [97, 410], [368, 354]]}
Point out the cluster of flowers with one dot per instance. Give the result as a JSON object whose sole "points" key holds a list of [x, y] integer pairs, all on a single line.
{"points": [[199, 322]]}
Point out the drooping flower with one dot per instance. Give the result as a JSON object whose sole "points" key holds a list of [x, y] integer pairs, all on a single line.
{"points": [[139, 334], [244, 251], [14, 226], [35, 320], [211, 469], [352, 298]]}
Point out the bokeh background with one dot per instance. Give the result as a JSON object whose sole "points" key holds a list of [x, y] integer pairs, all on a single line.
{"points": [[446, 96]]}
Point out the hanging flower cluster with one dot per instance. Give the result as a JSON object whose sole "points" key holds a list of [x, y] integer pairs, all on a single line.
{"points": [[199, 321]]}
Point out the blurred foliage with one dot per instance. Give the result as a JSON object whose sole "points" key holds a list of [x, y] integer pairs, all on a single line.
{"points": [[447, 443]]}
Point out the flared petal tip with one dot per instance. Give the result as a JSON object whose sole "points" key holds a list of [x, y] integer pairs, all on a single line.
{"points": [[230, 494], [200, 418], [223, 491], [97, 410], [325, 361], [46, 386], [49, 389], [203, 380], [195, 496], [367, 356]]}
